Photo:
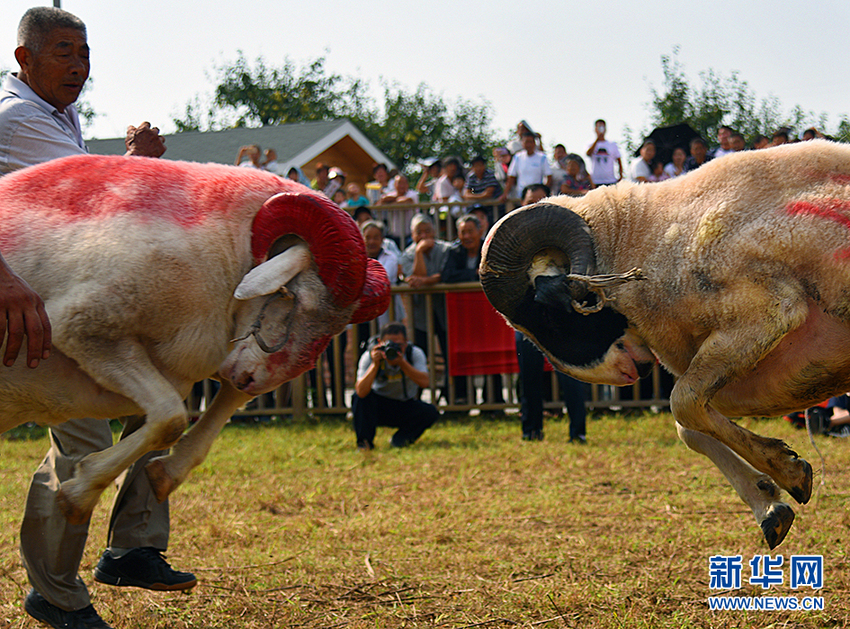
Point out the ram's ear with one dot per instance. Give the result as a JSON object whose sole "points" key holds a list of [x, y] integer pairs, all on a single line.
{"points": [[272, 275]]}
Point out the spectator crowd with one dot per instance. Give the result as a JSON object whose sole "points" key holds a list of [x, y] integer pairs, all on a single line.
{"points": [[450, 187]]}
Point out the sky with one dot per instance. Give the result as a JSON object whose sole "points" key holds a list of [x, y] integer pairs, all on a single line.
{"points": [[560, 66]]}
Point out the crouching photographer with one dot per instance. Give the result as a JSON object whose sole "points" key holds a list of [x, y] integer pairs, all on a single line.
{"points": [[389, 377]]}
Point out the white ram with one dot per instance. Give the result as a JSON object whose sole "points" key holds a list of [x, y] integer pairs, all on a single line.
{"points": [[149, 270], [745, 297]]}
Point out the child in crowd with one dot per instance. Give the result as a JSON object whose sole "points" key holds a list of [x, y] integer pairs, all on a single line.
{"points": [[574, 185], [458, 184], [355, 196], [339, 197], [501, 163], [658, 172]]}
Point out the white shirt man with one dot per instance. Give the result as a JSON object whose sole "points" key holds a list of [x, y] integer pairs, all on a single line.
{"points": [[528, 167], [27, 135], [603, 156]]}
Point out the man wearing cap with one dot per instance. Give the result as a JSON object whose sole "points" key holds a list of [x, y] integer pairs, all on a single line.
{"points": [[431, 169], [38, 122]]}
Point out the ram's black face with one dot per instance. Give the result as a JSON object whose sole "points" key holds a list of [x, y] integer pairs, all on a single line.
{"points": [[598, 347], [538, 268]]}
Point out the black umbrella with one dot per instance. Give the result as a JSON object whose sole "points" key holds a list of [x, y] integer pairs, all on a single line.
{"points": [[668, 138]]}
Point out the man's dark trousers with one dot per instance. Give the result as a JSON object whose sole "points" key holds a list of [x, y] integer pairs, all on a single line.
{"points": [[411, 417], [532, 374]]}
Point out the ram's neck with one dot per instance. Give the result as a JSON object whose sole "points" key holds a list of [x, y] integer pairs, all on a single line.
{"points": [[618, 221]]}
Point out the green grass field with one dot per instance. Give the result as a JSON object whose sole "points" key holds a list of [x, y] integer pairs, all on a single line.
{"points": [[288, 525]]}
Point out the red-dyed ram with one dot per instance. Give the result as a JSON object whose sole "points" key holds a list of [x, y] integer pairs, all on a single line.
{"points": [[158, 274]]}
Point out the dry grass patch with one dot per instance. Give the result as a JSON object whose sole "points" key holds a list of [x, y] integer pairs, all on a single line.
{"points": [[287, 525]]}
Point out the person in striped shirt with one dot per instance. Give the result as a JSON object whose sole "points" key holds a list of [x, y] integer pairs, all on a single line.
{"points": [[481, 183]]}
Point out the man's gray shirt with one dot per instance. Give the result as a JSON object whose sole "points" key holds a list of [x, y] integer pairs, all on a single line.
{"points": [[435, 260], [391, 382]]}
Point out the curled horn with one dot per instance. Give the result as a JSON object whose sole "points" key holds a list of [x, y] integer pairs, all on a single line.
{"points": [[332, 236], [514, 242], [376, 293]]}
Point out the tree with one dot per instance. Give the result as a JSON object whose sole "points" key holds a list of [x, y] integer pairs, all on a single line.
{"points": [[415, 125], [409, 126], [724, 100], [258, 94]]}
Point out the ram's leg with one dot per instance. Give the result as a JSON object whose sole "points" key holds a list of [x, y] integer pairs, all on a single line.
{"points": [[722, 358], [757, 490], [167, 472], [126, 369]]}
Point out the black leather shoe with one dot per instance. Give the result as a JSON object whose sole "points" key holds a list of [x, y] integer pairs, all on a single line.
{"points": [[142, 568], [398, 442], [85, 618]]}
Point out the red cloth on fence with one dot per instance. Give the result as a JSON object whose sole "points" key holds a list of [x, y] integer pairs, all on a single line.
{"points": [[480, 340]]}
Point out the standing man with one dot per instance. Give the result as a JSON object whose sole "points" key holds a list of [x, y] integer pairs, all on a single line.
{"points": [[374, 238], [389, 377], [398, 220], [38, 122], [528, 167], [559, 167], [532, 377], [250, 156], [270, 162], [603, 154]]}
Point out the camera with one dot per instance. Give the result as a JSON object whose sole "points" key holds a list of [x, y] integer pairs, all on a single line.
{"points": [[392, 350]]}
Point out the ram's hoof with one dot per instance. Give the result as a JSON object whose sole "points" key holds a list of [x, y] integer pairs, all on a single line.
{"points": [[161, 481], [803, 493], [74, 512], [776, 525]]}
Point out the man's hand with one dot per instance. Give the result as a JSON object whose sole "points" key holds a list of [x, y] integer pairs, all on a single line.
{"points": [[22, 312], [415, 281], [377, 354], [425, 245], [144, 141]]}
